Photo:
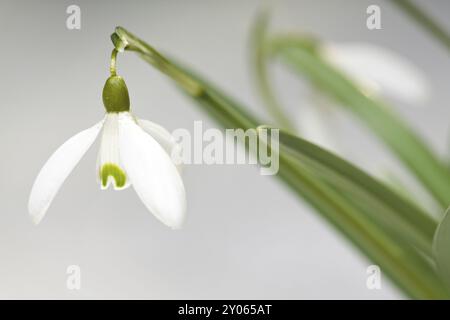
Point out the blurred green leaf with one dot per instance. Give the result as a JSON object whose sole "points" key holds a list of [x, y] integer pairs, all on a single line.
{"points": [[384, 206], [425, 20], [261, 73], [441, 246]]}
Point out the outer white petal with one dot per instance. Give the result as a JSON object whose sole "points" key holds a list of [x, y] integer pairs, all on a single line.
{"points": [[152, 173], [57, 169], [163, 137], [378, 70]]}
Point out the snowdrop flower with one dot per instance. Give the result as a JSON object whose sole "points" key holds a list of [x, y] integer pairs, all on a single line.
{"points": [[377, 71], [132, 152]]}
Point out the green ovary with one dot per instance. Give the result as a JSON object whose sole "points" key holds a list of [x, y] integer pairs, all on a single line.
{"points": [[113, 170]]}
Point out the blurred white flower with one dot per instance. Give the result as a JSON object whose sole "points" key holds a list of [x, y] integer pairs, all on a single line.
{"points": [[376, 71], [132, 152]]}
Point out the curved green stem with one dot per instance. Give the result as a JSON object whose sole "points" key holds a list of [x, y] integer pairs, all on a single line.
{"points": [[112, 66], [260, 68], [122, 39]]}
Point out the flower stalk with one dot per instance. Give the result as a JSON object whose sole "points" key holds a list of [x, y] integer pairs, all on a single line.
{"points": [[112, 66]]}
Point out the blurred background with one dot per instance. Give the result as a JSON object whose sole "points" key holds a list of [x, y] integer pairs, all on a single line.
{"points": [[246, 235]]}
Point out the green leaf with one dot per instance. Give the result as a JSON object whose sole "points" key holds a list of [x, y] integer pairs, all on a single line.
{"points": [[441, 247], [408, 269], [385, 207]]}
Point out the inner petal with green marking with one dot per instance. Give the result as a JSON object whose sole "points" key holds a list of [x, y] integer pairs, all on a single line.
{"points": [[110, 170]]}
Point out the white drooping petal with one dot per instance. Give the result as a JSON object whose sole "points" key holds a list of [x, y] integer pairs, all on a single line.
{"points": [[378, 70], [152, 173], [164, 138], [57, 169], [109, 166]]}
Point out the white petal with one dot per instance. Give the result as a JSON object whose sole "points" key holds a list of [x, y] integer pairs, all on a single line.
{"points": [[109, 166], [163, 137], [152, 173], [57, 169], [378, 70]]}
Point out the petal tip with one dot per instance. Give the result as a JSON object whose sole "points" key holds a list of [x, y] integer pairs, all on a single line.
{"points": [[173, 219], [36, 218], [177, 225], [35, 211], [176, 222]]}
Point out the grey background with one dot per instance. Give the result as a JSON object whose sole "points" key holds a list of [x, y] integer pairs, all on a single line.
{"points": [[246, 236]]}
